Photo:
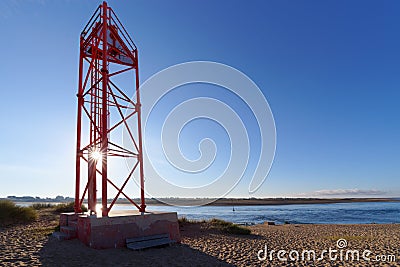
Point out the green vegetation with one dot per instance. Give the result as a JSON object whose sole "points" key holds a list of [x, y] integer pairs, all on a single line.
{"points": [[183, 220], [57, 208], [228, 227], [41, 206], [67, 207], [12, 214], [220, 225]]}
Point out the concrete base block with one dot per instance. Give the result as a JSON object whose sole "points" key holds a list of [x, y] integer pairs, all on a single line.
{"points": [[67, 217], [112, 231]]}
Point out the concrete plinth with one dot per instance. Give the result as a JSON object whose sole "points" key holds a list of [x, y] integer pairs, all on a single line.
{"points": [[112, 231]]}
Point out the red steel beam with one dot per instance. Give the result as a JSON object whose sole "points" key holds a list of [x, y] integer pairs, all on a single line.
{"points": [[139, 119], [104, 117], [78, 136]]}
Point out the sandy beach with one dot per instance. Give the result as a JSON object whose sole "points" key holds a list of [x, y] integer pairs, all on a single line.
{"points": [[375, 245]]}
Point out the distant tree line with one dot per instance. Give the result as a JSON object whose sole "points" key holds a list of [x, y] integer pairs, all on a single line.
{"points": [[39, 199]]}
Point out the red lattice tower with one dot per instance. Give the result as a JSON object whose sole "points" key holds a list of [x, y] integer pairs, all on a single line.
{"points": [[106, 52]]}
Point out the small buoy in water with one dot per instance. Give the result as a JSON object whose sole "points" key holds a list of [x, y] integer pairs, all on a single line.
{"points": [[233, 209]]}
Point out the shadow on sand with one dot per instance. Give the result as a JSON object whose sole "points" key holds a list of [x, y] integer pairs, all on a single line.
{"points": [[74, 253]]}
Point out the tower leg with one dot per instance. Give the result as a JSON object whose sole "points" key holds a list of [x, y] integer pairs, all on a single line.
{"points": [[92, 199], [140, 158], [104, 114], [77, 206]]}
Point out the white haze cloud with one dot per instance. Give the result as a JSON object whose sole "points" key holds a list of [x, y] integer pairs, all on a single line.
{"points": [[344, 192]]}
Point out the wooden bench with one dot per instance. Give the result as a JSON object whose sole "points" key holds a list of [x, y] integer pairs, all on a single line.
{"points": [[149, 241]]}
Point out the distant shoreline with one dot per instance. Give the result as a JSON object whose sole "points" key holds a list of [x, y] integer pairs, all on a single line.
{"points": [[229, 201]]}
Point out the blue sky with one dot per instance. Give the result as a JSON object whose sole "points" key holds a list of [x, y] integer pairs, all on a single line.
{"points": [[329, 70]]}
